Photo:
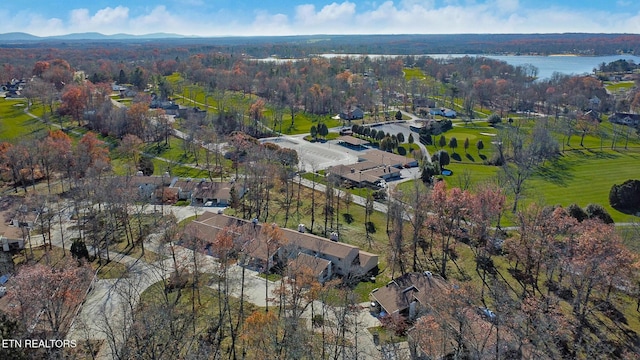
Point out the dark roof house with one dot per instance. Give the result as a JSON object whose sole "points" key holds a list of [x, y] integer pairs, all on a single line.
{"points": [[627, 119], [352, 113]]}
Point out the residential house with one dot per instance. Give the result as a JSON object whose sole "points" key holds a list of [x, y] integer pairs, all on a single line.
{"points": [[169, 107], [118, 89], [421, 102], [153, 189], [594, 103], [409, 295], [319, 267], [352, 113], [345, 260], [194, 113], [185, 187], [627, 119], [443, 112], [144, 187], [207, 193], [13, 88], [373, 166], [12, 234], [364, 173]]}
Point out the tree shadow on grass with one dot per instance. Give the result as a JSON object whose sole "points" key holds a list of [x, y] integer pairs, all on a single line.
{"points": [[610, 311], [456, 157], [556, 172], [470, 157], [483, 157]]}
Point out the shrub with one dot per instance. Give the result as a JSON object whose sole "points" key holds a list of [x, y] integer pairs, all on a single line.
{"points": [[577, 212], [371, 227], [494, 119], [446, 125], [348, 218], [626, 196], [79, 250], [380, 194], [596, 211], [145, 164], [428, 171], [442, 158]]}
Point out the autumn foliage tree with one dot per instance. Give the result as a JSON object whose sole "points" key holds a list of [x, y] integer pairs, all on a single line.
{"points": [[74, 101], [449, 208], [92, 154], [47, 298]]}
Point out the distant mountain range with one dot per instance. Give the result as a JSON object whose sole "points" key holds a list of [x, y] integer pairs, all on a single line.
{"points": [[20, 36]]}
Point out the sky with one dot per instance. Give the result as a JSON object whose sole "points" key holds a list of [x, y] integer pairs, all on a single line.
{"points": [[310, 17]]}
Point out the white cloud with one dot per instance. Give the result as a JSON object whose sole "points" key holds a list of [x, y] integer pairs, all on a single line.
{"points": [[410, 4], [507, 6], [158, 18], [103, 20], [110, 15], [277, 24], [334, 13]]}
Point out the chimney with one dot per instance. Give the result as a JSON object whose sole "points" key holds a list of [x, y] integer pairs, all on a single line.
{"points": [[333, 236], [301, 228]]}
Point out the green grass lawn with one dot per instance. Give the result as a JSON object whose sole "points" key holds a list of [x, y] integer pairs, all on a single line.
{"points": [[174, 151], [15, 123], [478, 130], [160, 167], [585, 177], [302, 123], [579, 176], [413, 73], [619, 86]]}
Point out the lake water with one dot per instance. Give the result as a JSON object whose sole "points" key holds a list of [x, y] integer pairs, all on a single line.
{"points": [[546, 65], [568, 65]]}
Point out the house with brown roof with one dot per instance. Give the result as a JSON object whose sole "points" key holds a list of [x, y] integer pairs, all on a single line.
{"points": [[352, 142], [372, 167], [365, 173], [184, 187], [409, 293], [207, 193], [387, 159], [345, 259], [12, 235], [319, 267]]}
